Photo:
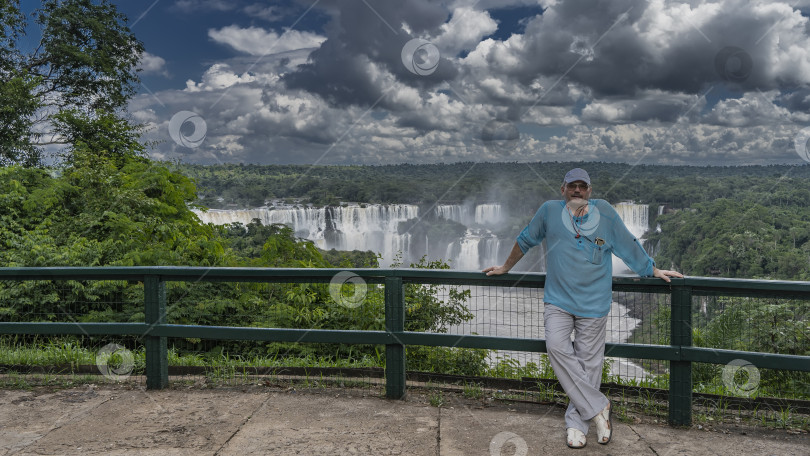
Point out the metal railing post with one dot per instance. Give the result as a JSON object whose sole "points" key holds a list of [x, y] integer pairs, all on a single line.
{"points": [[394, 352], [680, 372], [157, 362]]}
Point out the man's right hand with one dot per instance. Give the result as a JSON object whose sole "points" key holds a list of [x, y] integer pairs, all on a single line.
{"points": [[495, 270], [514, 256]]}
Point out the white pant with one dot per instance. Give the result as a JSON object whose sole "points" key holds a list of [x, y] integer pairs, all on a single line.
{"points": [[578, 365]]}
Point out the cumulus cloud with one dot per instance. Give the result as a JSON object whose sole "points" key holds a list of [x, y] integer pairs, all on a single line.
{"points": [[651, 105], [679, 144], [152, 64], [464, 31], [270, 13], [796, 100], [194, 6], [620, 47], [751, 109], [219, 76], [723, 82], [258, 41]]}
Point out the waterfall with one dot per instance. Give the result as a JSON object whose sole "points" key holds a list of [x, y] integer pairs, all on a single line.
{"points": [[635, 216], [637, 219], [468, 257], [375, 227], [660, 211], [491, 254], [455, 212], [488, 214], [479, 248], [352, 227]]}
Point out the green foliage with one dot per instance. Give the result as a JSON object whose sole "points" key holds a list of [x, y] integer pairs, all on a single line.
{"points": [[106, 134], [508, 367], [756, 325], [764, 325], [89, 52], [71, 84], [436, 398], [426, 311], [445, 360], [761, 325], [473, 391], [97, 215], [763, 231], [17, 108], [353, 259], [126, 210]]}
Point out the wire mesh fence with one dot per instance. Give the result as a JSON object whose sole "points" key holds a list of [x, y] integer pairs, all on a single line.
{"points": [[28, 360], [71, 301], [762, 325], [66, 360], [767, 325], [740, 389], [518, 312], [300, 305]]}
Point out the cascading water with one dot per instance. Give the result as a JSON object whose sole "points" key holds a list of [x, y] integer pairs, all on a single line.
{"points": [[488, 214], [353, 227], [468, 254], [376, 227], [455, 212], [635, 216], [637, 219]]}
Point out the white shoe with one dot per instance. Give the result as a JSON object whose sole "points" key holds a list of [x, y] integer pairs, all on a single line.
{"points": [[604, 426], [576, 438]]}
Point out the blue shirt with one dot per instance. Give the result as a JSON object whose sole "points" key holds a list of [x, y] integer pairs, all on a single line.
{"points": [[579, 271]]}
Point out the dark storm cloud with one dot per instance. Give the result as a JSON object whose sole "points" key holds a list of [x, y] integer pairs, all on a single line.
{"points": [[360, 38], [621, 47], [798, 100]]}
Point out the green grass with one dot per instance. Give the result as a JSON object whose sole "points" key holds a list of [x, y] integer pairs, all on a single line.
{"points": [[472, 391], [65, 351], [436, 398], [45, 353]]}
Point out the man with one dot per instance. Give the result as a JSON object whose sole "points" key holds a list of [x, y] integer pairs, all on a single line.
{"points": [[580, 236]]}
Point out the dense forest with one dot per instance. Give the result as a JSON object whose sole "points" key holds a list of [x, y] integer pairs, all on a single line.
{"points": [[250, 185]]}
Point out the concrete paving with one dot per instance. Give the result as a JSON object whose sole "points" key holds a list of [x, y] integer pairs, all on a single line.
{"points": [[121, 420]]}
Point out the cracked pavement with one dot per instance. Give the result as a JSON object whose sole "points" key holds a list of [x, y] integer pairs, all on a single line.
{"points": [[120, 420]]}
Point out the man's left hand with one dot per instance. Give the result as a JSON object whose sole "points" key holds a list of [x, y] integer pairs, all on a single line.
{"points": [[665, 274]]}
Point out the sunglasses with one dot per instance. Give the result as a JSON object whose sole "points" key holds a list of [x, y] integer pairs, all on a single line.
{"points": [[574, 186]]}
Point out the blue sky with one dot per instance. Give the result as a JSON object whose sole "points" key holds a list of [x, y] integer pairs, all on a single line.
{"points": [[722, 82]]}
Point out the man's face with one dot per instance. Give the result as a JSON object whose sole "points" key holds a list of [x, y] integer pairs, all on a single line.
{"points": [[576, 192]]}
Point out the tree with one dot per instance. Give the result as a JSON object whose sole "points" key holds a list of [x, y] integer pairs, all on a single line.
{"points": [[82, 72]]}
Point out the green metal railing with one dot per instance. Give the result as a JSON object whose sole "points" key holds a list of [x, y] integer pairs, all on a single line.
{"points": [[155, 331]]}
